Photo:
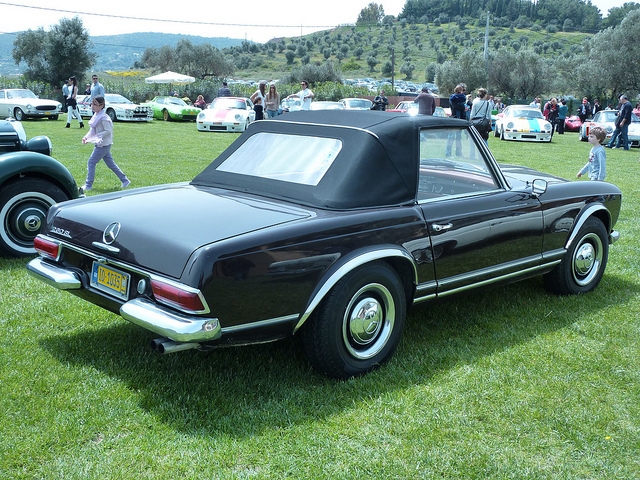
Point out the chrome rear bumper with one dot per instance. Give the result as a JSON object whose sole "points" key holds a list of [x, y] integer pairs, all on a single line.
{"points": [[177, 326]]}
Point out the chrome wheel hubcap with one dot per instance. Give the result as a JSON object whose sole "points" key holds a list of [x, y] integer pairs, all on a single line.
{"points": [[368, 321]]}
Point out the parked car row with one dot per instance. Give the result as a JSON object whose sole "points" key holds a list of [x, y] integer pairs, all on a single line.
{"points": [[606, 119]]}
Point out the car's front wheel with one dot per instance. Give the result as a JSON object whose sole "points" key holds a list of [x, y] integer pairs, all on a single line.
{"points": [[582, 267], [18, 114], [24, 205], [165, 115], [112, 114], [358, 324]]}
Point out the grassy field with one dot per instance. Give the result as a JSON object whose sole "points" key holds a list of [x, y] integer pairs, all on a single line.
{"points": [[508, 383]]}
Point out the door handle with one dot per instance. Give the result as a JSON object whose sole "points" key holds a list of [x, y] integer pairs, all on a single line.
{"points": [[441, 228]]}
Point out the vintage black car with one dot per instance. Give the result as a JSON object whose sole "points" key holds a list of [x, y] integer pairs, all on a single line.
{"points": [[30, 182], [327, 224]]}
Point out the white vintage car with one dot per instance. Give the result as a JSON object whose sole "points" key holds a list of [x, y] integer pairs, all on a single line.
{"points": [[118, 108], [226, 114], [21, 103], [523, 123], [607, 120], [357, 103]]}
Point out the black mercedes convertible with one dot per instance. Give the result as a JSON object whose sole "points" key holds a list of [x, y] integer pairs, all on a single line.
{"points": [[327, 225]]}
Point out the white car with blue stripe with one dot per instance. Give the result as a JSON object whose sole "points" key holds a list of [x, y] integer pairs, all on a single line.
{"points": [[523, 123]]}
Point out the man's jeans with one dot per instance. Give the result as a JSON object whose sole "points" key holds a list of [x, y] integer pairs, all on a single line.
{"points": [[623, 133]]}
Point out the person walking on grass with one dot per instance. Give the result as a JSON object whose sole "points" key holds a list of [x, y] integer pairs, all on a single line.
{"points": [[72, 104], [101, 135]]}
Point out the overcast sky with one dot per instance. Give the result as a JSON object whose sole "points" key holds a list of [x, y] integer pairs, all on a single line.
{"points": [[253, 20]]}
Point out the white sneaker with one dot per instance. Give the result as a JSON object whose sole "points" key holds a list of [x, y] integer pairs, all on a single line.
{"points": [[87, 187], [125, 184]]}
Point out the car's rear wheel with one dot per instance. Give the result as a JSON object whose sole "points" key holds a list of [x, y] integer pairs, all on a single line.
{"points": [[165, 115], [53, 117], [358, 325], [582, 267], [24, 205], [18, 114]]}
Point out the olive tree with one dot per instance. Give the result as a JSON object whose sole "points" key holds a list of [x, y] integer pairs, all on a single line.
{"points": [[55, 55]]}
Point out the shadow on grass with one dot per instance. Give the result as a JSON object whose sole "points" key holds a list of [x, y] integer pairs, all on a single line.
{"points": [[244, 391]]}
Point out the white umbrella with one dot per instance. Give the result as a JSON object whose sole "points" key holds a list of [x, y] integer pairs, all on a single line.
{"points": [[170, 77]]}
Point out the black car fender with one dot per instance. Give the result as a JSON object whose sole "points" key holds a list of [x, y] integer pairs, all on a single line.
{"points": [[593, 209], [31, 164], [391, 253]]}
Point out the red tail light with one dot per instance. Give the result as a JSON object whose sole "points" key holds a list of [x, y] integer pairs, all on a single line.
{"points": [[47, 248], [180, 297]]}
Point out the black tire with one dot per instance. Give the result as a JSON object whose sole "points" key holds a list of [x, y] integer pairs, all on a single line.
{"points": [[112, 114], [582, 267], [358, 325], [24, 205], [496, 132], [53, 117], [18, 114], [502, 134], [165, 115]]}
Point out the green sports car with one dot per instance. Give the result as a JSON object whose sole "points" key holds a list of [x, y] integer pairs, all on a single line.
{"points": [[172, 108]]}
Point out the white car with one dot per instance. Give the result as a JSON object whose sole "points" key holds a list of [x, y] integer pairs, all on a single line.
{"points": [[607, 120], [118, 108], [226, 114], [356, 103], [327, 106], [523, 123], [22, 103]]}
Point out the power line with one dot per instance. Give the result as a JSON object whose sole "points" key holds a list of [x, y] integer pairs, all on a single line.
{"points": [[188, 22]]}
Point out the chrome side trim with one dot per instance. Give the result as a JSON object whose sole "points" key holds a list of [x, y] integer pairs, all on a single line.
{"points": [[173, 325], [500, 278], [584, 215], [260, 324], [52, 275], [329, 282]]}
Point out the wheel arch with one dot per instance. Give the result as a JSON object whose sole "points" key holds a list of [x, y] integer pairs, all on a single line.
{"points": [[596, 210], [20, 165], [397, 258]]}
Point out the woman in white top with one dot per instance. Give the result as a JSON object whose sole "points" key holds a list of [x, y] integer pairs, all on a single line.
{"points": [[261, 93], [72, 104]]}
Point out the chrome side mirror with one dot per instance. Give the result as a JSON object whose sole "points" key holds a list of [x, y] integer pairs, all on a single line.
{"points": [[539, 186]]}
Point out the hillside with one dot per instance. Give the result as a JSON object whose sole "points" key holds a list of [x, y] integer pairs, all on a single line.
{"points": [[363, 51], [117, 52]]}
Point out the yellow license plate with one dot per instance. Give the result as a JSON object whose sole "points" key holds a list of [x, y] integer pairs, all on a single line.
{"points": [[110, 280]]}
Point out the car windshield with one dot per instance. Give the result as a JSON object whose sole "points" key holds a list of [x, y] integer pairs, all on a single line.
{"points": [[288, 158], [175, 101], [525, 113], [358, 103], [115, 98], [227, 104], [21, 94]]}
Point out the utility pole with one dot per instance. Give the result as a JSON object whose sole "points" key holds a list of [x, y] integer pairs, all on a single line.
{"points": [[486, 51]]}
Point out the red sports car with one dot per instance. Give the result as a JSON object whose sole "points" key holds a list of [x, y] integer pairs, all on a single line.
{"points": [[572, 123]]}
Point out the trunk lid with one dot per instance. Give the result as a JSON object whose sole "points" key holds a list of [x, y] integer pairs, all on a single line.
{"points": [[160, 227]]}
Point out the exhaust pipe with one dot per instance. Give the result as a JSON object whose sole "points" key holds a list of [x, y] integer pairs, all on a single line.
{"points": [[166, 345]]}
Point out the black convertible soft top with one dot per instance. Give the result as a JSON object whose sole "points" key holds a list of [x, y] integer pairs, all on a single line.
{"points": [[377, 165]]}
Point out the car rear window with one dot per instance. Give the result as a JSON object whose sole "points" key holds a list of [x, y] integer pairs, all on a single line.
{"points": [[288, 158]]}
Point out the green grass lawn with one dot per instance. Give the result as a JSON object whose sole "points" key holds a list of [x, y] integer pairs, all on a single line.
{"points": [[511, 382]]}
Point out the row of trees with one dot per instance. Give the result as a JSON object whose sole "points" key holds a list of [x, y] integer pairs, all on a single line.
{"points": [[566, 14]]}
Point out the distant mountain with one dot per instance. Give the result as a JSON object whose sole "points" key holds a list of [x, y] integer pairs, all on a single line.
{"points": [[117, 52]]}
